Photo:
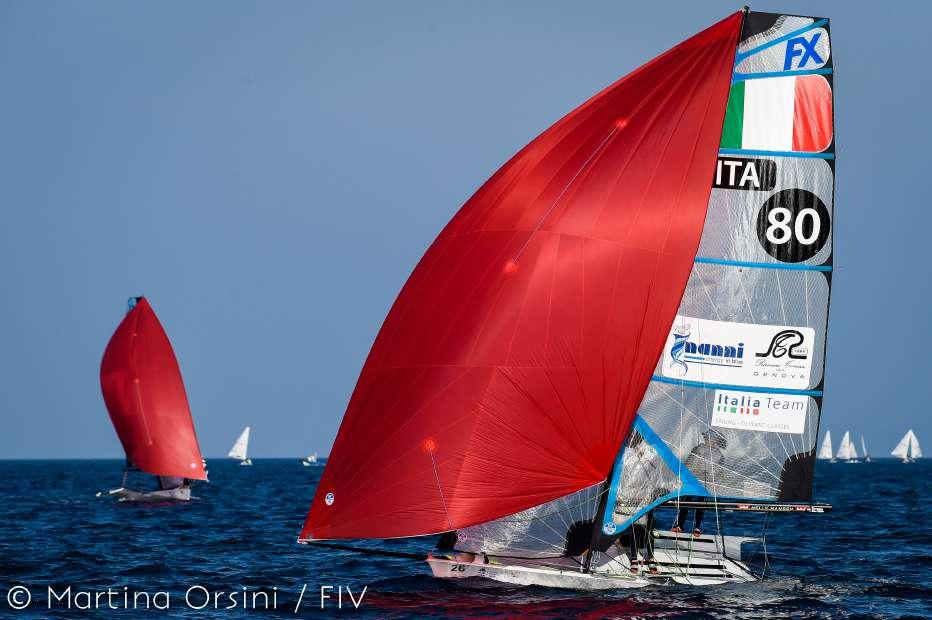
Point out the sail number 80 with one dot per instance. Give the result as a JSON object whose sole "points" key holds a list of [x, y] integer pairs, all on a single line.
{"points": [[779, 231], [793, 225]]}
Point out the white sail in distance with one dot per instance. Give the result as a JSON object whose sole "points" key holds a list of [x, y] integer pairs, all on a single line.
{"points": [[846, 450], [864, 453], [239, 449], [825, 451], [908, 448]]}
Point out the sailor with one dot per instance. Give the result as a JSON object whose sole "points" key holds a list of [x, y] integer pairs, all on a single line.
{"points": [[640, 531], [707, 454]]}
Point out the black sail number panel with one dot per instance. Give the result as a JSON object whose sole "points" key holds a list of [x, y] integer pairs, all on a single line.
{"points": [[793, 225]]}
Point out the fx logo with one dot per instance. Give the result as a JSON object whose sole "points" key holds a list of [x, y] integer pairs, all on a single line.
{"points": [[805, 49]]}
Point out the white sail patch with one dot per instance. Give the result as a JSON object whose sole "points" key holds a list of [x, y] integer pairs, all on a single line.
{"points": [[766, 413], [744, 354]]}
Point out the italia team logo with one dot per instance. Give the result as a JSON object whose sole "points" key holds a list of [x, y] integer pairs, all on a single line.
{"points": [[761, 412]]}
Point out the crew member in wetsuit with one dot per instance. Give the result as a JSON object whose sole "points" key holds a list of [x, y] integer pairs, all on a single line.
{"points": [[640, 532], [708, 453]]}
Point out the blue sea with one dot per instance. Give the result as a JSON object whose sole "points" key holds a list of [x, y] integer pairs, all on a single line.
{"points": [[869, 558]]}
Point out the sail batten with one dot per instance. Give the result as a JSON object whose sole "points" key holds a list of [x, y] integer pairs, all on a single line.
{"points": [[503, 378]]}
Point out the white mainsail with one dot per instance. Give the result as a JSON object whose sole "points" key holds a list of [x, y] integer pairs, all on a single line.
{"points": [[825, 451], [914, 450], [867, 457], [908, 448], [846, 450], [239, 449]]}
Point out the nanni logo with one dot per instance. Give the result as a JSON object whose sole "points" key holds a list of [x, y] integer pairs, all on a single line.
{"points": [[686, 349]]}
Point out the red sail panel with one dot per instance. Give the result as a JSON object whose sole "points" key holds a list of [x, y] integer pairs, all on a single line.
{"points": [[509, 369], [144, 393]]}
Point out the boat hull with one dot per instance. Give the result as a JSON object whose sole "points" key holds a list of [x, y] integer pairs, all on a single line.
{"points": [[681, 558], [456, 568], [182, 494]]}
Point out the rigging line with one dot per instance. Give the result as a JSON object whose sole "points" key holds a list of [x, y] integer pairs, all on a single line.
{"points": [[806, 296], [747, 299], [443, 501], [783, 445], [562, 193], [718, 521], [718, 315], [780, 292]]}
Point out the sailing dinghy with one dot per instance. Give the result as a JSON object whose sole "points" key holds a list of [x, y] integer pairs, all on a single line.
{"points": [[627, 320], [145, 396], [240, 448], [846, 450], [908, 449]]}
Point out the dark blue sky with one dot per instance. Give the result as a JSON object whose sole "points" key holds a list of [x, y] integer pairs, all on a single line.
{"points": [[268, 174]]}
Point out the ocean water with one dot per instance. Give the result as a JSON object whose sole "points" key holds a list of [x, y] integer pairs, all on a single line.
{"points": [[870, 558]]}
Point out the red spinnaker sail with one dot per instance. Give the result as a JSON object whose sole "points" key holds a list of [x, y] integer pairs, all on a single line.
{"points": [[509, 369], [144, 393]]}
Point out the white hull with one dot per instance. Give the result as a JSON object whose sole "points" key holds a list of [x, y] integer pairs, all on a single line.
{"points": [[245, 462], [449, 568], [681, 558], [182, 494]]}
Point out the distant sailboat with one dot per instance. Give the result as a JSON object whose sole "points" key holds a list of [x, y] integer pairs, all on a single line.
{"points": [[867, 457], [240, 448], [908, 449], [145, 396], [311, 460], [846, 450], [825, 451]]}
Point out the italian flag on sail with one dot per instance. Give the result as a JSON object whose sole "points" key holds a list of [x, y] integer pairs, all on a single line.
{"points": [[791, 113]]}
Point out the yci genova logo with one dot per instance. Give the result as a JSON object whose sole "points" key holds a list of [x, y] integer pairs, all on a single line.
{"points": [[789, 343], [738, 353]]}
